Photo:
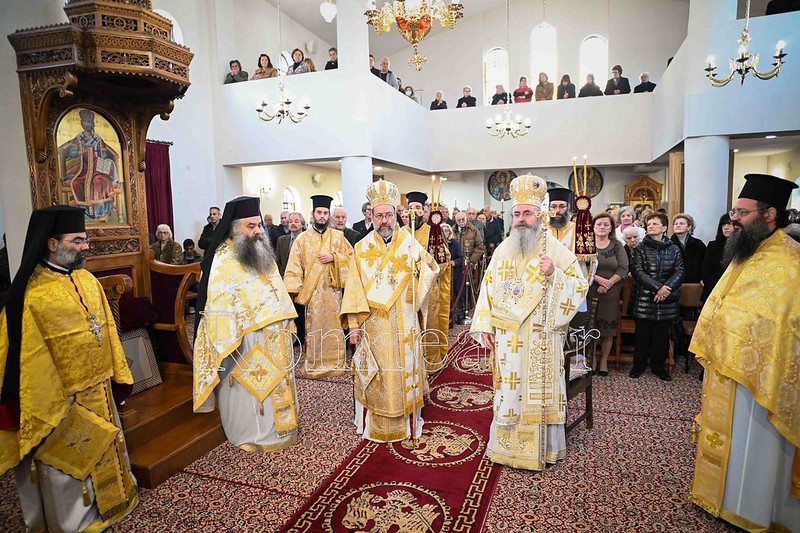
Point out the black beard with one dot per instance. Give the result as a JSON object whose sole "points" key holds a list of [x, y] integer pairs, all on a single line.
{"points": [[71, 260], [320, 227], [742, 244], [418, 222], [559, 222], [254, 253]]}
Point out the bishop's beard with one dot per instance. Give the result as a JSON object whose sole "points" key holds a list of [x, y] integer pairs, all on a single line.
{"points": [[523, 239], [742, 244], [254, 253], [70, 259]]}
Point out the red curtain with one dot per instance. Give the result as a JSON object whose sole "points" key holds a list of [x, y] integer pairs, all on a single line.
{"points": [[158, 186]]}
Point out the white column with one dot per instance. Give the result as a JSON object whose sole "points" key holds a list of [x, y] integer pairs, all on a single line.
{"points": [[352, 36], [356, 177], [705, 182]]}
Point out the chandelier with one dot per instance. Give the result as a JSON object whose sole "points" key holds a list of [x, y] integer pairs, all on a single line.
{"points": [[283, 107], [746, 62], [502, 127], [414, 20], [328, 10], [512, 127]]}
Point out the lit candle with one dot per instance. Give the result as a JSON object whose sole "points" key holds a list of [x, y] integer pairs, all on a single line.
{"points": [[584, 173], [711, 60], [575, 173], [502, 200], [433, 179], [438, 196], [779, 47]]}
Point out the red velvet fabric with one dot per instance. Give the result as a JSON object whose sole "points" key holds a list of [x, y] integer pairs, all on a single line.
{"points": [[158, 186]]}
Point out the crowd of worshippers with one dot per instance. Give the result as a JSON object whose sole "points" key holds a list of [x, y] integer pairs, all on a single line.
{"points": [[265, 69]]}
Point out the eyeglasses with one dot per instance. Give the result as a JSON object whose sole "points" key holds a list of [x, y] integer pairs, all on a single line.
{"points": [[79, 241], [387, 216], [739, 212]]}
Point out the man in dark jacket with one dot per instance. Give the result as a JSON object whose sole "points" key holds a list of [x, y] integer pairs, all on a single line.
{"points": [[617, 84], [280, 230], [364, 226], [339, 221], [493, 232], [658, 273], [646, 86], [214, 215]]}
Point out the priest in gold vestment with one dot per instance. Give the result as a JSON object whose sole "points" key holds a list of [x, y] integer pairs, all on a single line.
{"points": [[530, 291], [58, 350], [388, 282], [315, 276], [243, 347], [747, 338], [436, 315]]}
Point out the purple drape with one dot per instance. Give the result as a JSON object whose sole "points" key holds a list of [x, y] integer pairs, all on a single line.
{"points": [[158, 186]]}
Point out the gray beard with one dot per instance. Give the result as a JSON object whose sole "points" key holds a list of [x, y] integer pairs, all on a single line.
{"points": [[254, 253], [71, 260], [385, 231], [559, 222], [522, 239], [742, 244]]}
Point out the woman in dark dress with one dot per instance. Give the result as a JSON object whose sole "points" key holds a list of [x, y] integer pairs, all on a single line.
{"points": [[713, 268], [566, 89], [658, 273], [612, 268], [692, 249]]}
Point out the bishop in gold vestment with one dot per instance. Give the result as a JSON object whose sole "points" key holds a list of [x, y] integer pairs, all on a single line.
{"points": [[531, 290], [747, 338], [436, 315], [315, 275], [243, 347], [389, 279], [58, 350]]}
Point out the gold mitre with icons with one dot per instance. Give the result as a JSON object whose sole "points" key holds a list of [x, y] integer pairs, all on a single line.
{"points": [[383, 192], [528, 190]]}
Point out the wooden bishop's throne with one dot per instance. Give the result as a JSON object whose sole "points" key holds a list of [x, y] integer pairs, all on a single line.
{"points": [[89, 90]]}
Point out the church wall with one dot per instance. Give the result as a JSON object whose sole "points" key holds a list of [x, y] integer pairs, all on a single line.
{"points": [[276, 178], [642, 35], [15, 192]]}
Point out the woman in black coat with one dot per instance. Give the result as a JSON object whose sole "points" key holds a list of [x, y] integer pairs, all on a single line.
{"points": [[566, 89], [657, 273], [713, 268], [692, 249]]}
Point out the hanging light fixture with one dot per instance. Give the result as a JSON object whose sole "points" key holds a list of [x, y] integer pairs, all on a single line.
{"points": [[516, 127], [414, 20], [328, 10], [746, 62], [283, 107]]}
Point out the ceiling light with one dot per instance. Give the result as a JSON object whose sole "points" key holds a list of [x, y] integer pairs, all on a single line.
{"points": [[735, 150], [377, 168], [328, 10], [770, 136]]}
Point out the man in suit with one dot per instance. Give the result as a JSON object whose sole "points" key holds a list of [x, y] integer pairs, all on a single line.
{"points": [[646, 86], [339, 221], [364, 226], [617, 84], [295, 223], [279, 231], [493, 231], [472, 218]]}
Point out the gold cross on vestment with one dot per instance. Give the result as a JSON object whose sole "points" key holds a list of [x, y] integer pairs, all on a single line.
{"points": [[514, 343], [372, 254], [506, 270], [482, 314], [512, 380], [399, 263], [714, 441], [533, 274], [568, 307]]}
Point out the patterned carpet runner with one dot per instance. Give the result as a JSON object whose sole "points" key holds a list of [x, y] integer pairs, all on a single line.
{"points": [[445, 483]]}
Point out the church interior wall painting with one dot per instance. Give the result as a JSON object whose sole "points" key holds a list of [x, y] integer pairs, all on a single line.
{"points": [[91, 173]]}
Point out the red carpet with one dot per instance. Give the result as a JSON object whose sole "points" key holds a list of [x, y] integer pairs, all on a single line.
{"points": [[444, 484]]}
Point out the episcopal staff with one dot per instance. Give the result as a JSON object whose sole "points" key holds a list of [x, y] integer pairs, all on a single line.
{"points": [[58, 350]]}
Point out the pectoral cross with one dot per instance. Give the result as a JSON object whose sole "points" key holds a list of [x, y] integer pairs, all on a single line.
{"points": [[96, 329]]}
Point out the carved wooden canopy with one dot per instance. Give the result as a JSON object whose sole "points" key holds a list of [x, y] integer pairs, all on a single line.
{"points": [[112, 67], [644, 190]]}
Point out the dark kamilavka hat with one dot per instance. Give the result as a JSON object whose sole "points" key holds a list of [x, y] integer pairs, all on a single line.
{"points": [[416, 196], [560, 194], [321, 200], [44, 224], [771, 190]]}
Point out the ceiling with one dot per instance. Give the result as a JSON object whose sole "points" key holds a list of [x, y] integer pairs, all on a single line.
{"points": [[760, 146], [306, 13]]}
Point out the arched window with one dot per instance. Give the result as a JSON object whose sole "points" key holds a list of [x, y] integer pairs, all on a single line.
{"points": [[177, 32], [593, 60], [495, 72], [291, 199], [544, 53]]}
